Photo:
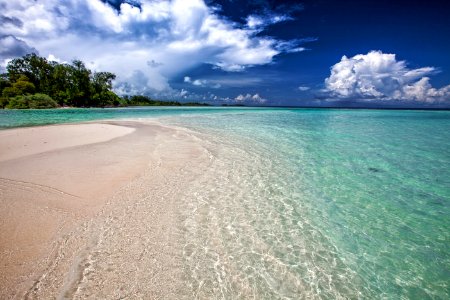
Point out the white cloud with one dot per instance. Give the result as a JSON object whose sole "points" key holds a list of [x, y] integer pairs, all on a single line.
{"points": [[298, 49], [202, 82], [51, 57], [304, 88], [235, 80], [282, 13], [183, 93], [256, 98], [379, 76], [158, 40], [240, 81], [261, 21], [255, 21], [199, 82]]}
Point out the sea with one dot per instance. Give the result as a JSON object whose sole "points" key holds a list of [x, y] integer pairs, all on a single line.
{"points": [[306, 203]]}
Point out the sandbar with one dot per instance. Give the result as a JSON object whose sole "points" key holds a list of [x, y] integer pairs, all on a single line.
{"points": [[90, 210]]}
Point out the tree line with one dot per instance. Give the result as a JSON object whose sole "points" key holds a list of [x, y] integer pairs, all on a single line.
{"points": [[52, 84], [32, 81], [140, 100]]}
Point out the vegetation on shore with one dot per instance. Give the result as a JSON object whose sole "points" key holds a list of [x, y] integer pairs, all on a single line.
{"points": [[140, 100], [32, 81]]}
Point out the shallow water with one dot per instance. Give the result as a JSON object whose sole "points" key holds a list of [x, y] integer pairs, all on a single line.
{"points": [[309, 203], [31, 117], [322, 204]]}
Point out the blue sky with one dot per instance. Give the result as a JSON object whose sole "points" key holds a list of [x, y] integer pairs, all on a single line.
{"points": [[259, 52]]}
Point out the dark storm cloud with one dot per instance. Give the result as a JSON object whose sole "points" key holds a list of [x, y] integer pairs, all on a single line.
{"points": [[11, 20], [10, 46]]}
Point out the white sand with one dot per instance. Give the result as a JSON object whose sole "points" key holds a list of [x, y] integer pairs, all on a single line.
{"points": [[20, 142], [90, 210]]}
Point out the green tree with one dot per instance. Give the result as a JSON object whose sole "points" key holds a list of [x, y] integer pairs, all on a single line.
{"points": [[100, 88], [4, 82], [3, 102], [63, 88], [37, 101], [69, 84], [36, 68], [21, 87], [81, 83]]}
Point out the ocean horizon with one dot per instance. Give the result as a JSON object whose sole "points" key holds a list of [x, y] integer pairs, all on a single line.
{"points": [[307, 202]]}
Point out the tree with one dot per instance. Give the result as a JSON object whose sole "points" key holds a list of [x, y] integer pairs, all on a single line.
{"points": [[100, 89], [80, 77], [32, 101], [21, 87], [63, 88], [37, 69], [69, 84], [4, 82]]}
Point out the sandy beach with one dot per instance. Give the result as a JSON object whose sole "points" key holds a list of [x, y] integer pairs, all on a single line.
{"points": [[90, 210]]}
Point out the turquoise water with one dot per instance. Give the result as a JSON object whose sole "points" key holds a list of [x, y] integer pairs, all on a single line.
{"points": [[33, 117], [309, 203]]}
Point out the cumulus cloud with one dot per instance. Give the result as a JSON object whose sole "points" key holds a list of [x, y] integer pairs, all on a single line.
{"points": [[380, 76], [197, 82], [248, 98], [51, 57], [202, 82], [146, 42]]}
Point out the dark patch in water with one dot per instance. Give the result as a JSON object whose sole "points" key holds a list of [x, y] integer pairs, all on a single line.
{"points": [[374, 170]]}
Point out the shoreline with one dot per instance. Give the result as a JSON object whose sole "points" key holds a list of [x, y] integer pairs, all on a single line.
{"points": [[78, 192]]}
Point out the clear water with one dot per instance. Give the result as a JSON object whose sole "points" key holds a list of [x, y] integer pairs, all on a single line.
{"points": [[310, 203], [33, 117]]}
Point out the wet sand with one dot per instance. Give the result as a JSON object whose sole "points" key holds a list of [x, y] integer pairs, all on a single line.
{"points": [[90, 210]]}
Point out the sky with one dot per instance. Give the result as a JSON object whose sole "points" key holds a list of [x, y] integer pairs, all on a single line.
{"points": [[258, 52]]}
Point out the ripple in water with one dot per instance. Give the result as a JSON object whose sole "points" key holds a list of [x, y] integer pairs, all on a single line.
{"points": [[326, 204]]}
